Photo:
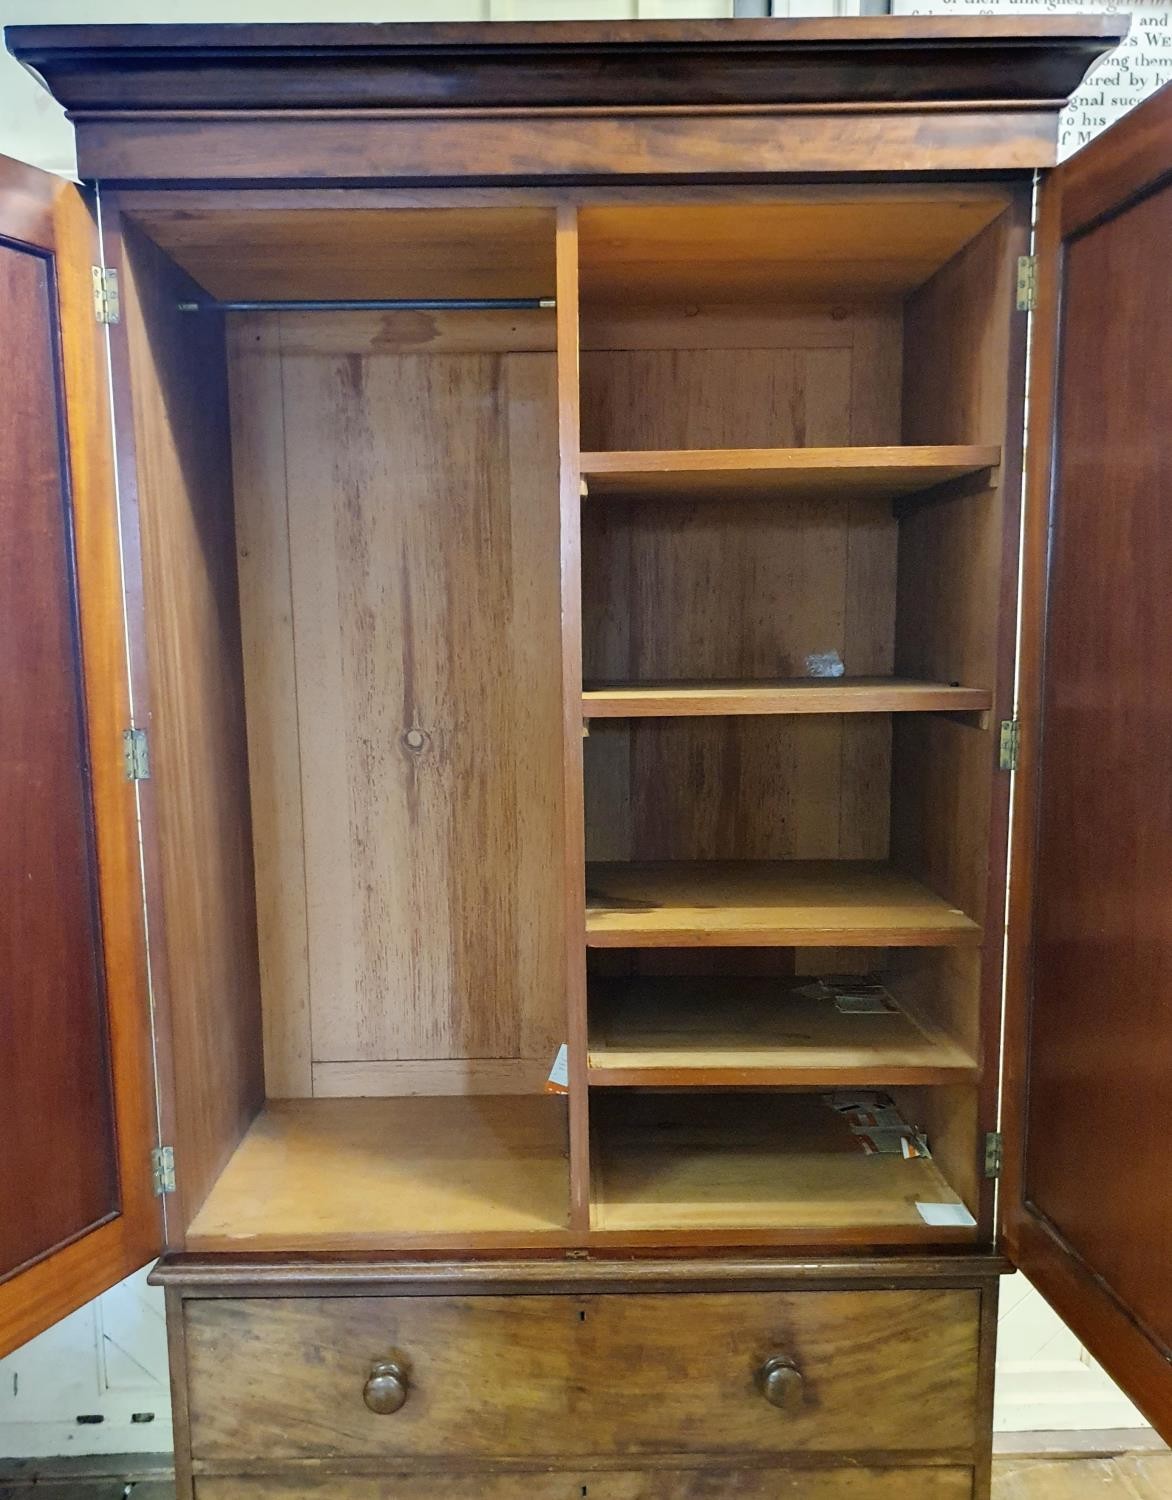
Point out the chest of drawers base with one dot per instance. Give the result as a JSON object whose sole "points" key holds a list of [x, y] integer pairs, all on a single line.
{"points": [[629, 1380]]}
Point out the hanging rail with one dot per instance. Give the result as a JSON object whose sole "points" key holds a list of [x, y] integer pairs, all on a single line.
{"points": [[376, 304]]}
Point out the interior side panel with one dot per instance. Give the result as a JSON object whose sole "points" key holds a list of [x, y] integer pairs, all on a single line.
{"points": [[203, 911]]}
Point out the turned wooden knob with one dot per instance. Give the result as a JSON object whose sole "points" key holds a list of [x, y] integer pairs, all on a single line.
{"points": [[386, 1387], [781, 1383]]}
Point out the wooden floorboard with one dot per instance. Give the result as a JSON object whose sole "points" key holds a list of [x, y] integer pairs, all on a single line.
{"points": [[1138, 1476]]}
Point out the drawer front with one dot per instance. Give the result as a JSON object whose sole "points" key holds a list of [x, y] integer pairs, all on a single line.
{"points": [[878, 1372], [659, 1484]]}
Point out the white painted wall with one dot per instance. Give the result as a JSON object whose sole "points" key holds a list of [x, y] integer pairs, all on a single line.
{"points": [[1046, 1381], [109, 1359]]}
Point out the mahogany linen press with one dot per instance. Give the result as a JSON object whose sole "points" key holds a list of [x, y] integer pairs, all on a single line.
{"points": [[546, 872]]}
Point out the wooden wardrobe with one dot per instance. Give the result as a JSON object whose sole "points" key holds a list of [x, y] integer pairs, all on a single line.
{"points": [[546, 870]]}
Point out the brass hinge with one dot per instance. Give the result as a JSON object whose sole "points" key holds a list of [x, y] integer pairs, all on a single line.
{"points": [[136, 754], [163, 1170], [994, 1154], [1010, 744], [107, 308], [1027, 283]]}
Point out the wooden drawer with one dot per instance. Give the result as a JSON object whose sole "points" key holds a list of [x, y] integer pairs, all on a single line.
{"points": [[884, 1373], [660, 1484]]}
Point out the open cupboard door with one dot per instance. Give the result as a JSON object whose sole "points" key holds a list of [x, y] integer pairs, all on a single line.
{"points": [[1087, 1200], [77, 1206]]}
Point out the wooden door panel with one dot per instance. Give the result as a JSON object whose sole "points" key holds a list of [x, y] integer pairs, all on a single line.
{"points": [[1089, 1206], [58, 1159], [1102, 1013], [76, 1206]]}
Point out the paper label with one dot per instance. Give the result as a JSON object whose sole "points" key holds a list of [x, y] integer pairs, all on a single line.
{"points": [[946, 1215], [558, 1081]]}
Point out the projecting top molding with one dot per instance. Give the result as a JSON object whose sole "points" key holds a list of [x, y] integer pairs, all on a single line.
{"points": [[559, 99]]}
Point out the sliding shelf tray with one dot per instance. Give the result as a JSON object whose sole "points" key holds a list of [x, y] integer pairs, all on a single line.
{"points": [[784, 1164], [767, 903], [757, 1033], [804, 695], [720, 473]]}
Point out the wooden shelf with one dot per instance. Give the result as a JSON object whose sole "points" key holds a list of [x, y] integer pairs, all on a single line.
{"points": [[767, 903], [784, 1163], [759, 1033], [804, 695], [382, 1174], [728, 473]]}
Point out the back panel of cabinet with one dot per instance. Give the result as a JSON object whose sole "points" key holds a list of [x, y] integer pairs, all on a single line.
{"points": [[400, 602], [739, 588]]}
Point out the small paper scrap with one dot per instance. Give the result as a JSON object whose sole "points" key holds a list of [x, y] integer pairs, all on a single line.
{"points": [[880, 1142], [876, 1003], [946, 1215], [824, 664], [558, 1081]]}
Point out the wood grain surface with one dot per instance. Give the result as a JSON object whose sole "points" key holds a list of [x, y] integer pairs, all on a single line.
{"points": [[299, 252], [175, 478], [802, 695], [59, 1160], [345, 1174], [399, 545], [654, 1484], [1115, 168], [762, 903], [549, 1377], [778, 473], [705, 1033], [868, 244], [738, 588], [1102, 937], [783, 1162], [75, 1034]]}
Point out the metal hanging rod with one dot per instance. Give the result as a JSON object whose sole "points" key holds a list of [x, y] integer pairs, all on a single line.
{"points": [[378, 304]]}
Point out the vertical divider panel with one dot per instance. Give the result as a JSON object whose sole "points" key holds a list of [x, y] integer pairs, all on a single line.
{"points": [[260, 466], [574, 875]]}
